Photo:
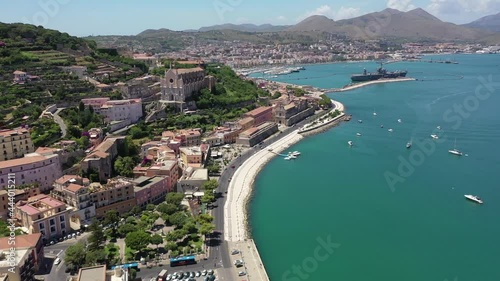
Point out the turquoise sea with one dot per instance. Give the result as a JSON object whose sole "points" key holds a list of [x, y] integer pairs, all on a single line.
{"points": [[415, 226]]}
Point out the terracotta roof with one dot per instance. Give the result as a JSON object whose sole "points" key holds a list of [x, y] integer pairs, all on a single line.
{"points": [[98, 154], [250, 132], [28, 209], [19, 72], [64, 179], [258, 111], [21, 161], [22, 241], [246, 120], [74, 187], [188, 70], [8, 133], [52, 202]]}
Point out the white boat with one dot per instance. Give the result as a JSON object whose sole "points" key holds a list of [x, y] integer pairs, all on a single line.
{"points": [[434, 137], [287, 158], [381, 126], [438, 127], [399, 121], [358, 134], [408, 144], [455, 151], [374, 113], [474, 198], [390, 130], [360, 121], [349, 143], [295, 153], [292, 157]]}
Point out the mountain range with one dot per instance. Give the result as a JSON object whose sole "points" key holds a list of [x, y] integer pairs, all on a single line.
{"points": [[416, 24], [491, 23]]}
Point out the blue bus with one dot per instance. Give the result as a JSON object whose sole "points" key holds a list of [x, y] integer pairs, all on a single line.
{"points": [[185, 260]]}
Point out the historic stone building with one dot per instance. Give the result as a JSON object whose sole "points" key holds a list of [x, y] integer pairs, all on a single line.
{"points": [[179, 85]]}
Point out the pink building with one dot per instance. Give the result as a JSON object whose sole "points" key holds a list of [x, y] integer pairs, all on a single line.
{"points": [[20, 77], [34, 168], [96, 103], [150, 190], [43, 214], [260, 115]]}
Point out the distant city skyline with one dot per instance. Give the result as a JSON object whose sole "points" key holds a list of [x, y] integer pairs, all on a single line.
{"points": [[126, 17]]}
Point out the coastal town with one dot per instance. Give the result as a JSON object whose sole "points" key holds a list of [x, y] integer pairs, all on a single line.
{"points": [[122, 161]]}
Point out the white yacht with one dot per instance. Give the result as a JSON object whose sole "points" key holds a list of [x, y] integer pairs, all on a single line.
{"points": [[438, 127], [474, 198], [390, 130], [455, 151], [287, 158], [295, 153], [374, 113], [360, 121], [399, 121], [349, 143], [292, 157], [408, 144], [434, 137], [358, 134]]}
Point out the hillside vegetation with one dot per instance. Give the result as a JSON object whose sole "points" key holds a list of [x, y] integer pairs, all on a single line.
{"points": [[43, 53]]}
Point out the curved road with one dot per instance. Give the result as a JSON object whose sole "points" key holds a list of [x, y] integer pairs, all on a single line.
{"points": [[220, 254]]}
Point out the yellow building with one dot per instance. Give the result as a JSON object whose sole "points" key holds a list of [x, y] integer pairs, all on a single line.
{"points": [[15, 143]]}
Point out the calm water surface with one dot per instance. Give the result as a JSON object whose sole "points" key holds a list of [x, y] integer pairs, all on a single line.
{"points": [[416, 226]]}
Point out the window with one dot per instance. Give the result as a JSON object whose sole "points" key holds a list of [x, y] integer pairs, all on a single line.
{"points": [[52, 229], [52, 222], [41, 225], [61, 218], [63, 226]]}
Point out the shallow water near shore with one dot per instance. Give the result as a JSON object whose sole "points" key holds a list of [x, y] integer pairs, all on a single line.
{"points": [[420, 227]]}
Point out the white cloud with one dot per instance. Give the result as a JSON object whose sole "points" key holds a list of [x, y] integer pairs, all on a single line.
{"points": [[463, 11], [281, 18], [326, 10], [347, 13], [401, 5], [464, 6]]}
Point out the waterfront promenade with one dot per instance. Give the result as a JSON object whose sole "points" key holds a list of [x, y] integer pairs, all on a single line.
{"points": [[236, 229]]}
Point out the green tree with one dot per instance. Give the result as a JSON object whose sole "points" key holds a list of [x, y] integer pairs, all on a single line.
{"points": [[167, 208], [126, 228], [97, 238], [137, 240], [150, 207], [208, 197], [124, 166], [174, 198], [178, 219], [81, 106], [156, 239], [210, 185], [95, 257], [206, 228], [112, 218], [176, 235], [75, 255], [204, 218]]}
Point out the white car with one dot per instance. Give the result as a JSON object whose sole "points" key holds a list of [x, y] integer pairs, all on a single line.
{"points": [[57, 261]]}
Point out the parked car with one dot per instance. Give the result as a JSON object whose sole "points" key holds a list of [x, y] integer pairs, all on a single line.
{"points": [[235, 252], [242, 273], [57, 261]]}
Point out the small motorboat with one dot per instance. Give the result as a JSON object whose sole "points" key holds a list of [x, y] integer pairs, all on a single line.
{"points": [[390, 130], [399, 121], [381, 126], [474, 198], [360, 121], [350, 143], [358, 134], [434, 137]]}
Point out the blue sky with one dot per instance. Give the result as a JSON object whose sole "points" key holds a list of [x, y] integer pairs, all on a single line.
{"points": [[128, 17]]}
